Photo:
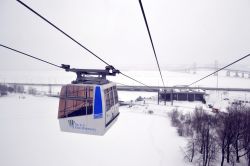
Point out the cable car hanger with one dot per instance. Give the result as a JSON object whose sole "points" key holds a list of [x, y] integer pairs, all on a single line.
{"points": [[86, 76]]}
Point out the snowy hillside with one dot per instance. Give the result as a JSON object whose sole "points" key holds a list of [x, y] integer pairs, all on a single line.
{"points": [[30, 135]]}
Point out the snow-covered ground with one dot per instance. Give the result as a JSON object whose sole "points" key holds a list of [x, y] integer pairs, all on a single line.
{"points": [[30, 135], [171, 78]]}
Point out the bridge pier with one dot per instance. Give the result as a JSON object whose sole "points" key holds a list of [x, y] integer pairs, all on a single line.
{"points": [[165, 101], [228, 73], [242, 74], [50, 89], [158, 97], [172, 100], [236, 74]]}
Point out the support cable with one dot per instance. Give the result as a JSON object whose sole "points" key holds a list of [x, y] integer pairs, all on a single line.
{"points": [[74, 40], [30, 56], [151, 40], [133, 79], [219, 69]]}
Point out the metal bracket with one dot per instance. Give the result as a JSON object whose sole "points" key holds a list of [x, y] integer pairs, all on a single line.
{"points": [[91, 76]]}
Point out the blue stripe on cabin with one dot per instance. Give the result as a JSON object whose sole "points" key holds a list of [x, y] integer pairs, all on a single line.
{"points": [[98, 103]]}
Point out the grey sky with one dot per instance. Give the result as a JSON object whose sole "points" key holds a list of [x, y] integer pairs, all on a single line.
{"points": [[184, 32]]}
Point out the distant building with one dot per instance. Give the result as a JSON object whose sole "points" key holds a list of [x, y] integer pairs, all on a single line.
{"points": [[184, 95]]}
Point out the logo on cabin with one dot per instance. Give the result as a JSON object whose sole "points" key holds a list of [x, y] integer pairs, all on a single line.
{"points": [[75, 125], [71, 123]]}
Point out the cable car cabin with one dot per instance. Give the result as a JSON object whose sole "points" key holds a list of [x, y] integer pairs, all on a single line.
{"points": [[88, 109], [90, 104]]}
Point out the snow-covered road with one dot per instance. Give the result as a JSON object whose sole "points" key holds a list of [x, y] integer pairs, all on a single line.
{"points": [[30, 136]]}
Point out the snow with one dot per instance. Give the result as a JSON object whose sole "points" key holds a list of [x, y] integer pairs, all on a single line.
{"points": [[171, 78], [30, 135], [127, 96]]}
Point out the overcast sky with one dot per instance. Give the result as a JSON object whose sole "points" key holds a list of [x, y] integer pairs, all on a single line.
{"points": [[183, 31]]}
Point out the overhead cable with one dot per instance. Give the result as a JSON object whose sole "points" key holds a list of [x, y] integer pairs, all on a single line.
{"points": [[30, 56], [74, 40], [151, 40], [63, 32], [219, 69]]}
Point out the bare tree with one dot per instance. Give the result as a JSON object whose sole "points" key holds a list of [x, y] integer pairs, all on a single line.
{"points": [[174, 115], [221, 135], [187, 126], [233, 131], [203, 125], [191, 149], [246, 135], [238, 129], [227, 133]]}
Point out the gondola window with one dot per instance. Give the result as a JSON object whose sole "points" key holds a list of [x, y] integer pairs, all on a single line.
{"points": [[75, 101]]}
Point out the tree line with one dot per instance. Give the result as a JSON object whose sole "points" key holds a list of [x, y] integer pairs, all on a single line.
{"points": [[222, 138], [5, 89]]}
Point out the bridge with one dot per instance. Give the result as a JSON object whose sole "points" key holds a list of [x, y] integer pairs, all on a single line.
{"points": [[230, 72], [143, 88]]}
